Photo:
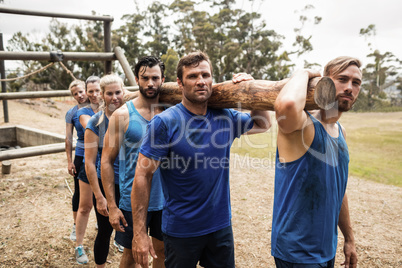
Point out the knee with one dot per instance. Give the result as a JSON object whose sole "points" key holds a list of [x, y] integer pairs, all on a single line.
{"points": [[84, 208]]}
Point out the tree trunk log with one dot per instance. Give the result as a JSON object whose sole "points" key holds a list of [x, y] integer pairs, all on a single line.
{"points": [[255, 94]]}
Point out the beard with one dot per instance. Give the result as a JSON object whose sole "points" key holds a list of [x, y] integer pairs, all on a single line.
{"points": [[345, 105], [144, 93]]}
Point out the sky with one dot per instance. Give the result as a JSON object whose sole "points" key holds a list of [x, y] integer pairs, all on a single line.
{"points": [[337, 34]]}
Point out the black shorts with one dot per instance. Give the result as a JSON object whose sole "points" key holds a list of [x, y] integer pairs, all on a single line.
{"points": [[212, 250], [82, 175], [284, 264], [154, 223]]}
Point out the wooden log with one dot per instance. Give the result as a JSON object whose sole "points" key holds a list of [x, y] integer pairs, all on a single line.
{"points": [[6, 167], [256, 94]]}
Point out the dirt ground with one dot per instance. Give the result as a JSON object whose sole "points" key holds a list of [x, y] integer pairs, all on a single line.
{"points": [[36, 218]]}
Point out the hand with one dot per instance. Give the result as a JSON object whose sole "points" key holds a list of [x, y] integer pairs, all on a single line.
{"points": [[349, 250], [240, 77], [101, 206], [140, 247], [115, 216], [71, 169]]}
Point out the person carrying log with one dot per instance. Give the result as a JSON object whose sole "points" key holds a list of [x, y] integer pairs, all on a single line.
{"points": [[191, 144], [312, 170]]}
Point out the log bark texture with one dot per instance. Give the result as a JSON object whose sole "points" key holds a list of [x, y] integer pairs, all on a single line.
{"points": [[255, 94]]}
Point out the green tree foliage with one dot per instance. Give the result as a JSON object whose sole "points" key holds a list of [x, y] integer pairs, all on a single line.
{"points": [[380, 73], [236, 40]]}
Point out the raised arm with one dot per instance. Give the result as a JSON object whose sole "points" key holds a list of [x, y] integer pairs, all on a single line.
{"points": [[139, 202], [69, 149], [262, 122], [111, 146], [345, 225], [290, 103]]}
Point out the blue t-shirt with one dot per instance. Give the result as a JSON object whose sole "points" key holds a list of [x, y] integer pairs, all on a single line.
{"points": [[72, 118], [308, 197], [100, 131], [133, 137], [194, 152], [87, 110]]}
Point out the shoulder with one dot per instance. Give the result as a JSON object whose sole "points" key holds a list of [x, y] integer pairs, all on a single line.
{"points": [[343, 130], [122, 111]]}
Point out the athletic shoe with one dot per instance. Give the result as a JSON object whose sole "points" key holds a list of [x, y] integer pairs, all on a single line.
{"points": [[119, 247], [80, 255], [72, 235]]}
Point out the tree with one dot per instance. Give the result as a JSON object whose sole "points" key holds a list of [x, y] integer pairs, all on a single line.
{"points": [[381, 72]]}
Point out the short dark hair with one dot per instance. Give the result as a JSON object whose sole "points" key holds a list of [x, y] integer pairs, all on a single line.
{"points": [[149, 61], [192, 59]]}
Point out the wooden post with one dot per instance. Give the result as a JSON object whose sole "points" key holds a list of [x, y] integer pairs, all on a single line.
{"points": [[6, 167], [125, 65]]}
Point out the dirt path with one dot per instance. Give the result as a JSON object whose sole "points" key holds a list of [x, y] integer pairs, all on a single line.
{"points": [[35, 208]]}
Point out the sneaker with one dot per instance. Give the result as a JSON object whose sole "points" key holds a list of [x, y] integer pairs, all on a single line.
{"points": [[80, 255], [119, 247], [72, 235]]}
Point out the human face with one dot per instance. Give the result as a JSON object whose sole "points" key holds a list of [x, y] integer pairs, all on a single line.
{"points": [[79, 94], [93, 92], [113, 96], [150, 81], [347, 85], [197, 83]]}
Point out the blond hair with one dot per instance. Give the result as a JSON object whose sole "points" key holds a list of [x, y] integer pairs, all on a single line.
{"points": [[340, 64], [76, 83], [105, 81]]}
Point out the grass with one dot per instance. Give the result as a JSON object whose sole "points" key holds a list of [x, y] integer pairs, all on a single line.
{"points": [[374, 141]]}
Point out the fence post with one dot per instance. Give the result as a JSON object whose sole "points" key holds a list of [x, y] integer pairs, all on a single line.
{"points": [[3, 83]]}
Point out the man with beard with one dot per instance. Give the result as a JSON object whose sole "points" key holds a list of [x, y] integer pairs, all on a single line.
{"points": [[190, 143], [312, 170], [127, 128]]}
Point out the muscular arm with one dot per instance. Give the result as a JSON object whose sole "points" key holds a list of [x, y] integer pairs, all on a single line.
{"points": [[111, 146], [262, 122], [289, 105], [69, 149], [345, 225], [139, 202]]}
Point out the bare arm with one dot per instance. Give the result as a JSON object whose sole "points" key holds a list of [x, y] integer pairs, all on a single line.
{"points": [[262, 122], [91, 152], [290, 103], [139, 203], [69, 149], [111, 146], [345, 225], [84, 118]]}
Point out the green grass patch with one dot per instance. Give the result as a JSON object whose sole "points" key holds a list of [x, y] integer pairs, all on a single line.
{"points": [[374, 141]]}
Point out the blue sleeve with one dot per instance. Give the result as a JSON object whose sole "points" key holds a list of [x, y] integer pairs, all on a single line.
{"points": [[69, 116], [242, 122], [92, 125], [156, 142]]}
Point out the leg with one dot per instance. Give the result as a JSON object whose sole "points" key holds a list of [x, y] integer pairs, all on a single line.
{"points": [[102, 240], [127, 259], [160, 252], [83, 211], [220, 250]]}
